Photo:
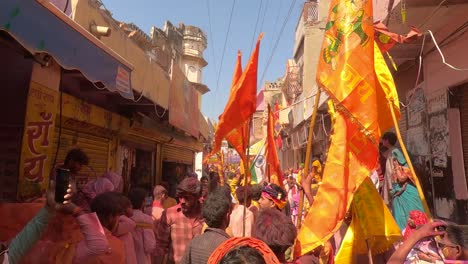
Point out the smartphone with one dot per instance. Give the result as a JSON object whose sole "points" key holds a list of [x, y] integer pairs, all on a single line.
{"points": [[62, 180]]}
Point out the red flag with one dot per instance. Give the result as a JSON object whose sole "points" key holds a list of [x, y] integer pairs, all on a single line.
{"points": [[242, 100], [276, 175], [238, 138]]}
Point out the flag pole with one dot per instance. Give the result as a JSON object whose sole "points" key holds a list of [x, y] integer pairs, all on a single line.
{"points": [[247, 173], [369, 252], [307, 159], [408, 161]]}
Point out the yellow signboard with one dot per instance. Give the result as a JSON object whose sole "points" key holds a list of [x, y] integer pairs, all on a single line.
{"points": [[36, 153]]}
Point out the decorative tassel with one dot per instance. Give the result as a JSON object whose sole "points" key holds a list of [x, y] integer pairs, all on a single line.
{"points": [[392, 61], [403, 11]]}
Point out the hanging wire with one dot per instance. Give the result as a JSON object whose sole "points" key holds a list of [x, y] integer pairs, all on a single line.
{"points": [[256, 24], [224, 49], [156, 112], [291, 7], [211, 36], [442, 55], [437, 47]]}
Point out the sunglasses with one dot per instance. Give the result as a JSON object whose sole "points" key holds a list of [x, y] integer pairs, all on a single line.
{"points": [[442, 245]]}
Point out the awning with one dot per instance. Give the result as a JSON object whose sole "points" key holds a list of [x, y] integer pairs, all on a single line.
{"points": [[40, 27]]}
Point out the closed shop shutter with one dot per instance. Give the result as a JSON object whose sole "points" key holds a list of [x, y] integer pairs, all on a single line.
{"points": [[97, 148], [464, 127], [177, 155], [403, 124]]}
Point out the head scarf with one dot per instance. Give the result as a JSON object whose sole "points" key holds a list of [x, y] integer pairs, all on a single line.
{"points": [[115, 179], [190, 186], [96, 187], [419, 219], [228, 245], [398, 156], [271, 194]]}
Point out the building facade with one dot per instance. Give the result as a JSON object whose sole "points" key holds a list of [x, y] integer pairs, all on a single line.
{"points": [[100, 85]]}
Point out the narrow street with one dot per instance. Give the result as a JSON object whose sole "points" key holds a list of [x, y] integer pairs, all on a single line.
{"points": [[276, 131]]}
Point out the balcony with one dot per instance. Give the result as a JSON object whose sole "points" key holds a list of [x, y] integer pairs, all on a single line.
{"points": [[293, 81]]}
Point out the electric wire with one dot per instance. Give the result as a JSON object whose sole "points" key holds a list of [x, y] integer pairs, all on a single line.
{"points": [[256, 24]]}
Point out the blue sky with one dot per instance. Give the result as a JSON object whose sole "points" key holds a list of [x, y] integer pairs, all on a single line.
{"points": [[147, 13]]}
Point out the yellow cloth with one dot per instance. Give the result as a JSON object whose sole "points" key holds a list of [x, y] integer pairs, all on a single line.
{"points": [[232, 185], [372, 222], [169, 202]]}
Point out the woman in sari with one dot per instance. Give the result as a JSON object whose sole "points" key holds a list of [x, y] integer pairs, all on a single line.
{"points": [[404, 193]]}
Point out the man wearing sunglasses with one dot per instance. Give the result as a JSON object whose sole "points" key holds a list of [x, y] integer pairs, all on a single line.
{"points": [[449, 239]]}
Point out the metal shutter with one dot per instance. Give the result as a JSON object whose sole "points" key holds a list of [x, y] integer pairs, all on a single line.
{"points": [[177, 155], [464, 128], [97, 148]]}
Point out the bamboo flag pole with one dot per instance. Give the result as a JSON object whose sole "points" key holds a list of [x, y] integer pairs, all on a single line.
{"points": [[408, 160], [307, 159], [247, 176]]}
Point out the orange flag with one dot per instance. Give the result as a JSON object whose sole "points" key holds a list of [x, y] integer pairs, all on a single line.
{"points": [[352, 71], [275, 173], [242, 101], [238, 138]]}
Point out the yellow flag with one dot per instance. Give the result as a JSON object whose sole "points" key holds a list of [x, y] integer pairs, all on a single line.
{"points": [[372, 226]]}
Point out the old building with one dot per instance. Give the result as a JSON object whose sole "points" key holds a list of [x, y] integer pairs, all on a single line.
{"points": [[100, 85], [434, 99]]}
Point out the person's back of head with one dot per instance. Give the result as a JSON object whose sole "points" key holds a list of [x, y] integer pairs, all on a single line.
{"points": [[137, 197], [276, 230], [256, 192], [217, 209], [243, 192], [159, 192], [77, 155], [108, 207], [390, 137], [243, 255]]}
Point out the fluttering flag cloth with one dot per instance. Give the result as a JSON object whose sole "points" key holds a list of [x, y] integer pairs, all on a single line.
{"points": [[352, 71], [272, 161], [386, 39], [372, 226], [242, 100], [238, 138]]}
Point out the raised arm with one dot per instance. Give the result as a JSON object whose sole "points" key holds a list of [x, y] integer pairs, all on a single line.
{"points": [[428, 230]]}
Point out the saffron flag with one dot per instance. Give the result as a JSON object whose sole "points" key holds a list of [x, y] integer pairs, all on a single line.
{"points": [[242, 100], [386, 39], [238, 138], [361, 87], [272, 161], [372, 225]]}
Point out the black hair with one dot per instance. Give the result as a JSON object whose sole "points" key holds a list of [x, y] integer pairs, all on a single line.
{"points": [[137, 197], [275, 229], [240, 193], [125, 203], [455, 235], [390, 137], [213, 181], [77, 155], [256, 192], [106, 205], [204, 177], [243, 255], [215, 208]]}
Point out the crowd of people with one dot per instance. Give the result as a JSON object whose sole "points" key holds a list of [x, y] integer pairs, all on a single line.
{"points": [[215, 219]]}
